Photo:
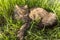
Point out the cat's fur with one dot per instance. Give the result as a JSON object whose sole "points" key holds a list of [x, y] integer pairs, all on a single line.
{"points": [[37, 13], [46, 18], [22, 13]]}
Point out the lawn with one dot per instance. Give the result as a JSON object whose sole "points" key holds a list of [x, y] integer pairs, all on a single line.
{"points": [[9, 26]]}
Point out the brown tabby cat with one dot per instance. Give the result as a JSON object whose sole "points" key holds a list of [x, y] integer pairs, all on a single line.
{"points": [[22, 13]]}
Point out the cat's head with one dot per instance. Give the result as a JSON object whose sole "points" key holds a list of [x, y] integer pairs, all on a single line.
{"points": [[20, 12]]}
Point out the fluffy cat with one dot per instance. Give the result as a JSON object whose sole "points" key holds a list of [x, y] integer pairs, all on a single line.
{"points": [[22, 13]]}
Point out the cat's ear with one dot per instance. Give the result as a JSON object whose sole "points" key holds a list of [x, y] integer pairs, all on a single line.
{"points": [[25, 6], [17, 7]]}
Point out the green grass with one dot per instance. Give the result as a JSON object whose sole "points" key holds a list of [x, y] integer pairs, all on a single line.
{"points": [[9, 26]]}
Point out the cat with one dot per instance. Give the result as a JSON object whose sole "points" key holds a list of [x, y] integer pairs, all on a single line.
{"points": [[23, 13]]}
